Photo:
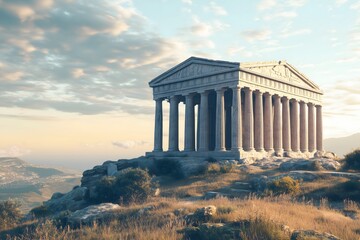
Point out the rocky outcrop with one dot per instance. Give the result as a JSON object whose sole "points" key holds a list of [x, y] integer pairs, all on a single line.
{"points": [[310, 164], [311, 234], [93, 213], [72, 201]]}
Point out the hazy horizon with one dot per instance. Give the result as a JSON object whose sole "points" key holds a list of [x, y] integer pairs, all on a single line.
{"points": [[74, 74]]}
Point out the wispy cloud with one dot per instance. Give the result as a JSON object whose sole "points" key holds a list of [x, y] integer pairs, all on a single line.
{"points": [[266, 4], [126, 144], [216, 9], [256, 35]]}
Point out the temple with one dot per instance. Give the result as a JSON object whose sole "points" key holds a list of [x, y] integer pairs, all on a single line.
{"points": [[243, 109]]}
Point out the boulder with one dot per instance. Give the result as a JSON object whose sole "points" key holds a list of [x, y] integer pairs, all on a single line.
{"points": [[72, 201], [211, 195], [204, 214], [311, 234], [93, 213]]}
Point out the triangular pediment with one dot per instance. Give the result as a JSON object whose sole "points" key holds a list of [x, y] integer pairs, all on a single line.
{"points": [[193, 68], [280, 70]]}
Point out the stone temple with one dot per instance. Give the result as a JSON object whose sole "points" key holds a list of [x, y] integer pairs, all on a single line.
{"points": [[257, 109]]}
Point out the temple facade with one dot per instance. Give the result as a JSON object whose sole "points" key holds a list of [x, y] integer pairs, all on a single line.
{"points": [[243, 109]]}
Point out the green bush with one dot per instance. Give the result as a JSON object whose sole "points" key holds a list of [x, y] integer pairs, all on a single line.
{"points": [[10, 214], [132, 185], [227, 168], [352, 160], [169, 167], [285, 185], [40, 211]]}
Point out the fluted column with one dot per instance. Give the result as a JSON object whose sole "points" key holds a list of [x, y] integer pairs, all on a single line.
{"points": [[319, 129], [268, 123], [220, 121], [189, 123], [303, 128], [259, 122], [295, 137], [204, 122], [286, 124], [311, 127], [174, 124], [277, 125], [236, 141], [248, 140], [158, 134]]}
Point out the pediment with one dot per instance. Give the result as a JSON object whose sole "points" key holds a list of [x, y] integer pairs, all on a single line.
{"points": [[281, 70], [193, 68]]}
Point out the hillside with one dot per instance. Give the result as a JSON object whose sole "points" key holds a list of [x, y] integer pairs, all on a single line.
{"points": [[343, 145], [31, 184]]}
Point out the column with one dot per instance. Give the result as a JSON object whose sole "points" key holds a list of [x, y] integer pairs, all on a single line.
{"points": [[319, 129], [259, 122], [286, 124], [268, 123], [220, 121], [158, 134], [174, 124], [236, 140], [277, 125], [248, 121], [204, 122], [303, 128], [311, 127], [189, 123], [295, 137]]}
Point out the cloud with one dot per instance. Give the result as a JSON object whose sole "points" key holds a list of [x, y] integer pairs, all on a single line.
{"points": [[187, 1], [80, 57], [216, 9], [127, 144], [14, 151], [291, 33], [266, 4], [256, 35], [340, 2]]}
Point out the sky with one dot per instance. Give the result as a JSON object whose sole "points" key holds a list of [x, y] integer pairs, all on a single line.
{"points": [[74, 74]]}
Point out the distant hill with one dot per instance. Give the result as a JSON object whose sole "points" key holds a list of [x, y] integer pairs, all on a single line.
{"points": [[343, 145], [32, 184]]}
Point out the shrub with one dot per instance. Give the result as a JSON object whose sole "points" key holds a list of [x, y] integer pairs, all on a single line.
{"points": [[213, 168], [262, 229], [352, 160], [132, 185], [209, 232], [285, 185], [10, 214], [168, 167], [227, 168], [40, 211]]}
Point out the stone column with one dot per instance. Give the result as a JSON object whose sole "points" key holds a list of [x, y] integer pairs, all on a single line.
{"points": [[259, 122], [204, 122], [158, 134], [286, 124], [277, 125], [268, 123], [311, 127], [319, 129], [220, 121], [303, 128], [236, 140], [295, 136], [248, 121], [189, 123], [174, 124]]}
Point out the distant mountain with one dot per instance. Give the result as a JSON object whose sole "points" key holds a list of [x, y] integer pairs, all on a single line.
{"points": [[343, 145], [32, 184]]}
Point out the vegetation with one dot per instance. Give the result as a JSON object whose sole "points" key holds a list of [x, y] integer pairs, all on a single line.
{"points": [[352, 161], [168, 167], [10, 214], [132, 185], [41, 211], [285, 185]]}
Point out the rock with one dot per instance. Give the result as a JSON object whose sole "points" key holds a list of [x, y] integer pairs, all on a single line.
{"points": [[296, 164], [247, 161], [201, 214], [73, 200], [311, 234], [316, 164], [156, 192], [211, 195], [111, 169], [93, 213], [330, 155], [259, 184], [57, 195]]}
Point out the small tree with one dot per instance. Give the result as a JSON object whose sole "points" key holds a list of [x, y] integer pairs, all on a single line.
{"points": [[285, 185], [130, 186], [352, 160], [10, 214]]}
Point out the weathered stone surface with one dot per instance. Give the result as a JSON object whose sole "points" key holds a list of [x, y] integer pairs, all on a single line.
{"points": [[311, 234], [311, 164], [93, 213], [72, 200]]}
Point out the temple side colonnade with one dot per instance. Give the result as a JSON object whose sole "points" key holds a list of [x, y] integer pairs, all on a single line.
{"points": [[243, 109]]}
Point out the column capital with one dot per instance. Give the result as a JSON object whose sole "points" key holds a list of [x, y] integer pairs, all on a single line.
{"points": [[267, 94], [258, 92], [310, 104], [318, 106], [221, 89], [293, 100], [247, 89], [284, 99], [276, 96], [204, 92], [235, 87], [190, 95]]}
